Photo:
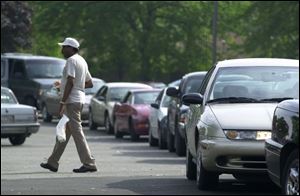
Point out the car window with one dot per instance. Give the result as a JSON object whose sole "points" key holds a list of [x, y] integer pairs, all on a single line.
{"points": [[96, 86], [18, 70], [256, 82], [145, 97], [206, 80], [42, 68], [7, 97], [192, 84], [3, 68]]}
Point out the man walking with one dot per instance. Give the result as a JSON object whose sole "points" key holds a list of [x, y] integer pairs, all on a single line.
{"points": [[75, 79]]}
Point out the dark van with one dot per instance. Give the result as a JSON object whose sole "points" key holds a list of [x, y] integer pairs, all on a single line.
{"points": [[29, 75]]}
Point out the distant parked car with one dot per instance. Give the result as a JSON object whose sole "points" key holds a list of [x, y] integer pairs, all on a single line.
{"points": [[102, 103], [50, 101], [282, 149], [158, 120], [159, 85], [132, 114], [189, 83], [29, 75], [231, 117], [17, 121]]}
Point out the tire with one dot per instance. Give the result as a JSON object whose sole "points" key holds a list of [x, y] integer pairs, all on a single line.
{"points": [[205, 180], [151, 139], [17, 139], [118, 135], [133, 135], [191, 167], [290, 180], [108, 126], [46, 116], [180, 147], [162, 144], [170, 142], [92, 124]]}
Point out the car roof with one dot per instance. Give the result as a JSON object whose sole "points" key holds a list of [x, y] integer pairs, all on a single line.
{"points": [[28, 56], [144, 90], [258, 62], [197, 73], [97, 79], [127, 84]]}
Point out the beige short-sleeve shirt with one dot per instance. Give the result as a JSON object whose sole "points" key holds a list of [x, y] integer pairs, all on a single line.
{"points": [[77, 68]]}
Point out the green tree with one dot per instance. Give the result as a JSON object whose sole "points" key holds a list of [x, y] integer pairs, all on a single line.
{"points": [[15, 26]]}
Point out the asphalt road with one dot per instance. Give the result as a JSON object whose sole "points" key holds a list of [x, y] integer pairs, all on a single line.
{"points": [[125, 168]]}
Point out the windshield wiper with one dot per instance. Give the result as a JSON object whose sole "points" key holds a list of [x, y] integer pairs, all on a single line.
{"points": [[235, 100], [279, 99]]}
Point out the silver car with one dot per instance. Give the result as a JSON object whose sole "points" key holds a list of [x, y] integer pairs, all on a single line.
{"points": [[231, 117], [102, 103], [17, 121]]}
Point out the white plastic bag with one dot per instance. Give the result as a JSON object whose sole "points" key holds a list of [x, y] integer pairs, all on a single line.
{"points": [[61, 128]]}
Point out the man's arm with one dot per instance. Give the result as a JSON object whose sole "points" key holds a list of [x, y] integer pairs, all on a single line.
{"points": [[89, 84], [68, 88]]}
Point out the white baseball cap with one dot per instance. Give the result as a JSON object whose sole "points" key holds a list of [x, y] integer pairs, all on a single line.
{"points": [[70, 42]]}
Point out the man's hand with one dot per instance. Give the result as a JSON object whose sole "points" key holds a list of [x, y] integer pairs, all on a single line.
{"points": [[61, 109]]}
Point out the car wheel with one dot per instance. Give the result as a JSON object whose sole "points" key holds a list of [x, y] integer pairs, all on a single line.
{"points": [[46, 116], [151, 139], [118, 134], [92, 124], [17, 139], [290, 175], [191, 167], [161, 142], [180, 148], [205, 179], [170, 142], [134, 136], [108, 126]]}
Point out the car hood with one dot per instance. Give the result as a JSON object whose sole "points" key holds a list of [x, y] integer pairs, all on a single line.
{"points": [[244, 116], [47, 82]]}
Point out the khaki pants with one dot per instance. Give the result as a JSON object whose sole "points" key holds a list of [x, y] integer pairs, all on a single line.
{"points": [[74, 128]]}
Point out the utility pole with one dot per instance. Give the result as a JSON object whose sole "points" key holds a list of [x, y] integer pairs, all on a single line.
{"points": [[214, 26]]}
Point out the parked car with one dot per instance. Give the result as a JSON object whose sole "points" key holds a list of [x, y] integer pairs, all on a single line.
{"points": [[132, 114], [50, 101], [29, 75], [189, 83], [102, 103], [17, 121], [231, 117], [282, 149]]}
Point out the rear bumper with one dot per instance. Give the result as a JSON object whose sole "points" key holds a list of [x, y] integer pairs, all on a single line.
{"points": [[16, 129]]}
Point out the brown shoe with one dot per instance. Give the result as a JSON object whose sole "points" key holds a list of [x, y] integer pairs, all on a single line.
{"points": [[47, 166], [84, 169]]}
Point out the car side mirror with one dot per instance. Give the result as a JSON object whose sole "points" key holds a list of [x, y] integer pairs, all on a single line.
{"points": [[192, 98], [172, 91], [154, 105]]}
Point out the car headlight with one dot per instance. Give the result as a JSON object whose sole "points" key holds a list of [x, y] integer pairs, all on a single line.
{"points": [[247, 135]]}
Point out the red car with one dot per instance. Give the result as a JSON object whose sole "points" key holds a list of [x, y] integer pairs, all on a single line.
{"points": [[132, 114]]}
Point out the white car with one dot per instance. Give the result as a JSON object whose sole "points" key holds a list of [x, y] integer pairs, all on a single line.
{"points": [[102, 103], [231, 117], [158, 120], [17, 121]]}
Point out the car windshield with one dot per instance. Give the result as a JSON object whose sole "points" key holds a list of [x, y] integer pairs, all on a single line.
{"points": [[96, 86], [255, 84], [145, 97], [45, 68], [7, 97], [118, 93]]}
